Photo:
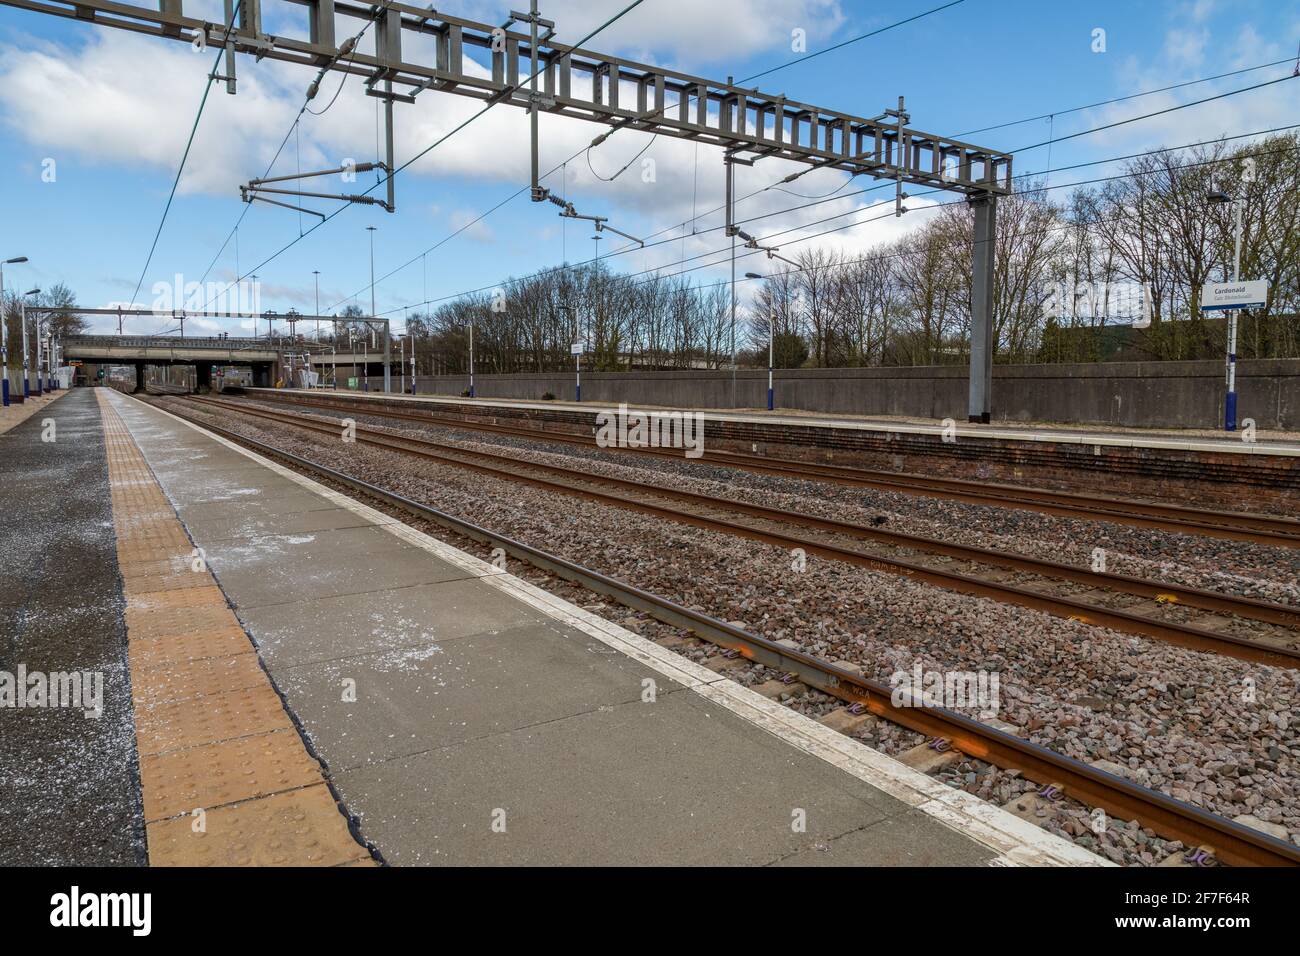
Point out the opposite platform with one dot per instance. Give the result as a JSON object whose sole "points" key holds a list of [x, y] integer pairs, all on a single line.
{"points": [[465, 716], [1166, 439]]}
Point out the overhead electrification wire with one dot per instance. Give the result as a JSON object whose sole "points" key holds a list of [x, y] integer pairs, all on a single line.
{"points": [[356, 41], [610, 179], [722, 251], [840, 46], [1170, 109], [1071, 136], [1124, 99], [881, 257], [587, 149], [428, 149], [194, 128]]}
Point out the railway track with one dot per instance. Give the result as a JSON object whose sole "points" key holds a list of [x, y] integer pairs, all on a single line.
{"points": [[156, 389], [1230, 842], [1237, 526], [837, 540]]}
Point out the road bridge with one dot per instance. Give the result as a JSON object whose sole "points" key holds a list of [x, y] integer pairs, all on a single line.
{"points": [[263, 355]]}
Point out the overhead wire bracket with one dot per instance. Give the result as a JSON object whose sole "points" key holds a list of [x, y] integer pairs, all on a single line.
{"points": [[255, 188]]}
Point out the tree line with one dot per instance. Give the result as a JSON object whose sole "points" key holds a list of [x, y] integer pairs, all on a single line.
{"points": [[63, 323]]}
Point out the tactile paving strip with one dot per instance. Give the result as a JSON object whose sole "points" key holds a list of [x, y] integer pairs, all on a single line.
{"points": [[226, 779]]}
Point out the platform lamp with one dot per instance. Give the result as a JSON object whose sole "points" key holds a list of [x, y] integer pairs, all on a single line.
{"points": [[771, 323], [4, 330], [22, 307], [1221, 198]]}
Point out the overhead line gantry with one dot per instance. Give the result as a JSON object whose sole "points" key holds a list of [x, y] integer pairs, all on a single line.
{"points": [[748, 124]]}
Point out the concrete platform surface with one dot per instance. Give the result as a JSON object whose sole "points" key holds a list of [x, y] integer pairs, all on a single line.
{"points": [[69, 780], [467, 717]]}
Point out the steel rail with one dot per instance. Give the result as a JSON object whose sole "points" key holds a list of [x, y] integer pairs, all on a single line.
{"points": [[1183, 635], [1232, 842], [1254, 609], [1237, 526]]}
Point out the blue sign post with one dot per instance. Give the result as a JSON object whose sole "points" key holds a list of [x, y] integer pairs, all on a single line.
{"points": [[1230, 297]]}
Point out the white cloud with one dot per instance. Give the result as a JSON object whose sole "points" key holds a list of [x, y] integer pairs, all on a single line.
{"points": [[1240, 47], [477, 231], [683, 34]]}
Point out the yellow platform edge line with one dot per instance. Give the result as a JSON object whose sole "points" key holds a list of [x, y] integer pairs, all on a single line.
{"points": [[225, 777]]}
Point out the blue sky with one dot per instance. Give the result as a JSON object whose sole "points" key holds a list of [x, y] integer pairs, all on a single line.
{"points": [[112, 111]]}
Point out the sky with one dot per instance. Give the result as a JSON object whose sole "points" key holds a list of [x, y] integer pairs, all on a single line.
{"points": [[94, 121]]}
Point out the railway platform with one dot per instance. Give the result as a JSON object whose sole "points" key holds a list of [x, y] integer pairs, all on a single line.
{"points": [[1214, 470], [320, 683], [1286, 445]]}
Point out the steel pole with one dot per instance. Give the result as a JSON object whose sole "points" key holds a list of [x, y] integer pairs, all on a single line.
{"points": [[388, 359], [533, 97], [771, 334], [38, 356], [471, 358], [731, 232], [1230, 400], [982, 336], [22, 321], [4, 343]]}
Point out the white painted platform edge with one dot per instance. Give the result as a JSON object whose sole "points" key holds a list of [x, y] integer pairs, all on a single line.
{"points": [[1017, 841]]}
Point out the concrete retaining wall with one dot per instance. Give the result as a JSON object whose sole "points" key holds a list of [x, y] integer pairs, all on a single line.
{"points": [[1150, 394]]}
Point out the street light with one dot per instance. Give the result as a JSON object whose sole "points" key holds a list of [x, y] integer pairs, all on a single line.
{"points": [[771, 322], [1219, 197], [22, 318], [4, 331], [371, 230]]}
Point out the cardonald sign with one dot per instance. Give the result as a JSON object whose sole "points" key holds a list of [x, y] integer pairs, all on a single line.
{"points": [[1233, 295]]}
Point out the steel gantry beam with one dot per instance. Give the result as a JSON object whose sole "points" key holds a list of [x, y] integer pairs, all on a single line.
{"points": [[494, 64]]}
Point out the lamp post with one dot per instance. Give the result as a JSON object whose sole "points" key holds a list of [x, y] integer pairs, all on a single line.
{"points": [[371, 230], [771, 322], [316, 274], [4, 331], [1222, 198], [22, 318]]}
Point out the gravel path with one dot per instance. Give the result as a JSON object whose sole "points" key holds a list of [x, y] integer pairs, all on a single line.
{"points": [[1214, 732]]}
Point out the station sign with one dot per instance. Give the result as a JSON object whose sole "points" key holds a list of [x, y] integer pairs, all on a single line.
{"points": [[577, 348], [1226, 296]]}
